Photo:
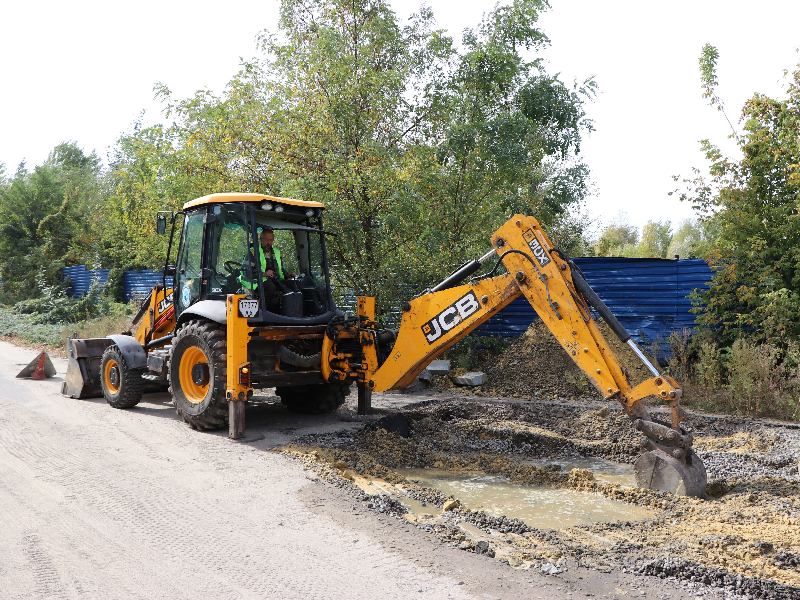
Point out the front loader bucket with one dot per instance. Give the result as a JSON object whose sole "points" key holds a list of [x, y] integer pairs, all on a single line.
{"points": [[83, 371], [657, 470]]}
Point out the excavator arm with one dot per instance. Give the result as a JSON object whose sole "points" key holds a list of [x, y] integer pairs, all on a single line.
{"points": [[356, 350]]}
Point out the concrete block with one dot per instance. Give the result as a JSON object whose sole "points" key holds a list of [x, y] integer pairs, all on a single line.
{"points": [[439, 367], [414, 386], [426, 376], [472, 379]]}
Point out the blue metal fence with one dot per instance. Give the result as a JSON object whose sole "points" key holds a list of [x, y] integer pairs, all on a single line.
{"points": [[648, 296], [81, 279], [137, 284]]}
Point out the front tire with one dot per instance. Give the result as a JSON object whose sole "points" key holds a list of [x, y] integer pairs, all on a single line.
{"points": [[198, 374], [313, 399], [122, 386]]}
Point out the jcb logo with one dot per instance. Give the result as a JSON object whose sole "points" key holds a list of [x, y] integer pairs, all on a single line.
{"points": [[539, 252], [164, 304], [451, 316]]}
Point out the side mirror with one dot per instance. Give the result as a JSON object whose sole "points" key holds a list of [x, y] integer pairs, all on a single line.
{"points": [[161, 224]]}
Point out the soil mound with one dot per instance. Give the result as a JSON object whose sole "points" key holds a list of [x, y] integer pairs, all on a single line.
{"points": [[536, 366]]}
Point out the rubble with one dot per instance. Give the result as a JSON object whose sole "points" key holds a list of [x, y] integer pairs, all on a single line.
{"points": [[472, 378]]}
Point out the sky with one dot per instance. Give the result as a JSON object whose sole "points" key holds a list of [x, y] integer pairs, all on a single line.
{"points": [[84, 71]]}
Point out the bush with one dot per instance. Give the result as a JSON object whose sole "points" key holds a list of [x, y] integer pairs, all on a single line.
{"points": [[26, 328], [763, 380], [473, 351], [680, 364], [54, 306]]}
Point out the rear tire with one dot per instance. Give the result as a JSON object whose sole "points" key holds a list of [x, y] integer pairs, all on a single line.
{"points": [[313, 399], [122, 386], [198, 374]]}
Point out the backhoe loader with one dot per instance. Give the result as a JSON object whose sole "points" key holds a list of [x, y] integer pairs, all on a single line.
{"points": [[216, 334]]}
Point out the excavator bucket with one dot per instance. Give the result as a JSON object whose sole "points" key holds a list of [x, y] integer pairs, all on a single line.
{"points": [[669, 463], [83, 371], [657, 470]]}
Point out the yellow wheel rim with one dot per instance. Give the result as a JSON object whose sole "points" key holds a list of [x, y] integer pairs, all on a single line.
{"points": [[194, 393], [111, 364]]}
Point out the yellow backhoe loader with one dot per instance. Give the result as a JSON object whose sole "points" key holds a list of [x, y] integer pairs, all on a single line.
{"points": [[243, 316]]}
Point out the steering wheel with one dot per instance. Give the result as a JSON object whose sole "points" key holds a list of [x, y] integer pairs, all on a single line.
{"points": [[231, 266]]}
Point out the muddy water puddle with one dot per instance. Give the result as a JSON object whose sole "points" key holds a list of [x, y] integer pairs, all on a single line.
{"points": [[603, 470], [540, 507]]}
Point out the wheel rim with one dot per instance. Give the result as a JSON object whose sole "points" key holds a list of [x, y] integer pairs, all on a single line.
{"points": [[194, 393], [111, 367]]}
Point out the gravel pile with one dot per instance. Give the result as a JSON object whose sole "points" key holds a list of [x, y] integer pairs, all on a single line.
{"points": [[536, 366]]}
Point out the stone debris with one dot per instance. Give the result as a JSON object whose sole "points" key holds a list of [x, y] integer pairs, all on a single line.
{"points": [[744, 539], [550, 569], [450, 505], [536, 366], [473, 378], [439, 367], [415, 386]]}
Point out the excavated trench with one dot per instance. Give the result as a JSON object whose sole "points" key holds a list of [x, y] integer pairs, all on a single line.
{"points": [[533, 469], [503, 478]]}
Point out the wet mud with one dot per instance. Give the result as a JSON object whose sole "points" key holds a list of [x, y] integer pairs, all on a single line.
{"points": [[744, 539]]}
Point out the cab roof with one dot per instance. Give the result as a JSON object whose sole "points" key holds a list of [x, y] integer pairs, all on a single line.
{"points": [[244, 197]]}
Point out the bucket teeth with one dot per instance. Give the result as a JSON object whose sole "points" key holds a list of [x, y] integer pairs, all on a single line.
{"points": [[680, 472]]}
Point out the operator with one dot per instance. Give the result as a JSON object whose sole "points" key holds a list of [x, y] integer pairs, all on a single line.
{"points": [[273, 275]]}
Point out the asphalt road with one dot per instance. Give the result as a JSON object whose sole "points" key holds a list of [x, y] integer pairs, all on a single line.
{"points": [[104, 503]]}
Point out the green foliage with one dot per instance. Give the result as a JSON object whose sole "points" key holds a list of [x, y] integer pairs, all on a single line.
{"points": [[616, 237], [418, 151], [759, 383], [708, 78], [474, 350], [26, 327], [657, 240], [688, 240], [710, 366], [751, 207], [54, 306], [753, 379], [46, 219], [680, 361], [708, 73]]}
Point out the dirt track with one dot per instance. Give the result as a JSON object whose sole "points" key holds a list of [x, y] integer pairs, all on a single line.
{"points": [[100, 503]]}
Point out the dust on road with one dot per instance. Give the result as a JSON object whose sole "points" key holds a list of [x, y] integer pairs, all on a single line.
{"points": [[101, 503]]}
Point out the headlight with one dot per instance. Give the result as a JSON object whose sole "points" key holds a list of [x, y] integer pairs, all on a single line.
{"points": [[266, 205], [310, 212], [278, 208]]}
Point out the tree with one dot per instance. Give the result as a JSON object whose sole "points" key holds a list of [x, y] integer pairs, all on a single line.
{"points": [[417, 151], [46, 220], [617, 236], [687, 241], [751, 204], [656, 238], [511, 137]]}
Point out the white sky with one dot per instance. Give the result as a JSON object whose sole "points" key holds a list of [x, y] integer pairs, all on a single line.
{"points": [[84, 70]]}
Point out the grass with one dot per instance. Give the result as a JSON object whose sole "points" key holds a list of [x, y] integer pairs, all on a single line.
{"points": [[27, 330]]}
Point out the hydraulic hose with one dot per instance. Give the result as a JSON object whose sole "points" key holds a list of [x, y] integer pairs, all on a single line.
{"points": [[594, 300], [460, 274]]}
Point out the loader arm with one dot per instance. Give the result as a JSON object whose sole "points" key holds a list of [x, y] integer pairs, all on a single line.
{"points": [[435, 321]]}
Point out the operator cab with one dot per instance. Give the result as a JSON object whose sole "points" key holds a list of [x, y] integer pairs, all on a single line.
{"points": [[219, 254]]}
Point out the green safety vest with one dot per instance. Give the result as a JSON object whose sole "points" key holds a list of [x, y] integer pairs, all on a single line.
{"points": [[279, 272]]}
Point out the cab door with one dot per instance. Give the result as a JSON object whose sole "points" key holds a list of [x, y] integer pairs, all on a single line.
{"points": [[189, 264]]}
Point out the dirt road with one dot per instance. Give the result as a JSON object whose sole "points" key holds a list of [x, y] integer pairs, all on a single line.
{"points": [[103, 503]]}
